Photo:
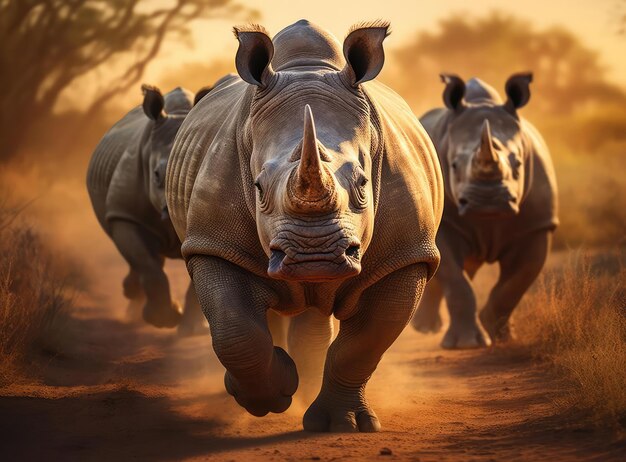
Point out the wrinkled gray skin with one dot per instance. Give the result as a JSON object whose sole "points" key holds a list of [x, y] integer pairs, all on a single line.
{"points": [[500, 206], [126, 184], [292, 188]]}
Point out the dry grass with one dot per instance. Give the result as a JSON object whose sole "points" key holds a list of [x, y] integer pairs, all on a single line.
{"points": [[36, 291], [575, 318]]}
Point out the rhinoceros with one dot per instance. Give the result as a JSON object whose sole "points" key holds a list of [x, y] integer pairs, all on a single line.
{"points": [[304, 187], [500, 206], [126, 184]]}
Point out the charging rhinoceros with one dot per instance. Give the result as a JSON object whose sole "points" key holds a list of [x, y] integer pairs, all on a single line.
{"points": [[500, 206], [126, 184], [298, 187]]}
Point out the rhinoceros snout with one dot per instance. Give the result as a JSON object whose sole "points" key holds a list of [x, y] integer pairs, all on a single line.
{"points": [[293, 260], [503, 208]]}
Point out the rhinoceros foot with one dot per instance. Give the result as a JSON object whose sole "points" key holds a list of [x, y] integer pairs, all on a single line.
{"points": [[162, 316], [134, 310], [263, 395], [465, 336], [332, 413], [190, 330], [427, 321], [499, 329]]}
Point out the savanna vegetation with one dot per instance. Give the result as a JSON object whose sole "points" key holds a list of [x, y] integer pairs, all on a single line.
{"points": [[575, 319], [37, 288]]}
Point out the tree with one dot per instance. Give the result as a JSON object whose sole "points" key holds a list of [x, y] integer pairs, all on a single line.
{"points": [[47, 44], [567, 74]]}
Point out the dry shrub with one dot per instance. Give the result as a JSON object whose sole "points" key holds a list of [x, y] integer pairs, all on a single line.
{"points": [[36, 292], [575, 318]]}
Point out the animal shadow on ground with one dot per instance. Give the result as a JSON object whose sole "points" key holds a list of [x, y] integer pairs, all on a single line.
{"points": [[112, 425]]}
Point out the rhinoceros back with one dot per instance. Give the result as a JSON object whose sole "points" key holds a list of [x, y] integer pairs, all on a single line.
{"points": [[124, 135]]}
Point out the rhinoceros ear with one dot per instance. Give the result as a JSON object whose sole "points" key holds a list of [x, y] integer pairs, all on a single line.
{"points": [[364, 53], [454, 92], [153, 102], [254, 55], [201, 94], [518, 90]]}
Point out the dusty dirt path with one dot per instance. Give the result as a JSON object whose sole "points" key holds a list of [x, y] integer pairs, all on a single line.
{"points": [[132, 392]]}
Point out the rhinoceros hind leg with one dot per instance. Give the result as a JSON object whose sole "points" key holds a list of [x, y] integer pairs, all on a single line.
{"points": [[193, 321], [135, 294], [519, 267], [384, 311], [261, 377], [140, 250], [427, 318], [309, 337]]}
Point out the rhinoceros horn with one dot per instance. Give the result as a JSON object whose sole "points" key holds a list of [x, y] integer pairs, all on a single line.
{"points": [[486, 161], [486, 154], [312, 186]]}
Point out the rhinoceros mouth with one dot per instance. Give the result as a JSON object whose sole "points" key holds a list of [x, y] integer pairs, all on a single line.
{"points": [[316, 268], [315, 265], [487, 202]]}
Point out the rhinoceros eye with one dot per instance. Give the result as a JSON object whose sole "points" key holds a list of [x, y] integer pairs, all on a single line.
{"points": [[455, 165], [358, 193], [157, 177], [257, 185]]}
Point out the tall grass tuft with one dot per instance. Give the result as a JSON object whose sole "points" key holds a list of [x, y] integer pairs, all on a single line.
{"points": [[575, 318], [36, 292]]}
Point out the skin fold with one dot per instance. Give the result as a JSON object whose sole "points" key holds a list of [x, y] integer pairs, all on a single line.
{"points": [[500, 206], [126, 184], [292, 187]]}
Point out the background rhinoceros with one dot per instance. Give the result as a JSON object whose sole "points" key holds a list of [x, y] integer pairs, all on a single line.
{"points": [[300, 188], [126, 181], [500, 206]]}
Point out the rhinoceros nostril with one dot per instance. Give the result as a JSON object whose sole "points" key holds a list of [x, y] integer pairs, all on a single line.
{"points": [[354, 251], [277, 255]]}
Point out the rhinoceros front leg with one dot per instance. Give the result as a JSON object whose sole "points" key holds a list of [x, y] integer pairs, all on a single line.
{"points": [[140, 250], [464, 330], [383, 312], [519, 267], [261, 377], [193, 321], [309, 336]]}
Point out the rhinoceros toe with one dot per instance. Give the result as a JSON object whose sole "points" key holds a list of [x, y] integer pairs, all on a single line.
{"points": [[464, 336], [327, 416]]}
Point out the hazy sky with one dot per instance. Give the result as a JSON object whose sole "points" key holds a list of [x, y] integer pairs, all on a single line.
{"points": [[595, 21]]}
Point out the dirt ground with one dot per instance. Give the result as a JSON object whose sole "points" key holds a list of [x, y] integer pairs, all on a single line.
{"points": [[125, 391]]}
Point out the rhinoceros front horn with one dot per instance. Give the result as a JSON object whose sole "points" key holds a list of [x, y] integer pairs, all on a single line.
{"points": [[311, 186], [486, 163], [486, 154]]}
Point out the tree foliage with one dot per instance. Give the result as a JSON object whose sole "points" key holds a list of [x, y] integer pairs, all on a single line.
{"points": [[47, 44], [567, 74]]}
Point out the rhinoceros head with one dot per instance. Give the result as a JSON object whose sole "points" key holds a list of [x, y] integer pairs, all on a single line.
{"points": [[310, 135], [166, 115], [486, 145]]}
